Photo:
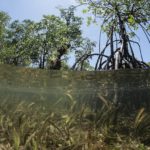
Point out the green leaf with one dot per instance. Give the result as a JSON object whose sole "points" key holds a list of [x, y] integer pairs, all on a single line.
{"points": [[84, 11], [131, 20], [16, 139], [89, 20], [132, 34]]}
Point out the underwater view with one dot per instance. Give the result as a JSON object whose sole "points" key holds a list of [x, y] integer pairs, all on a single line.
{"points": [[75, 75], [69, 110]]}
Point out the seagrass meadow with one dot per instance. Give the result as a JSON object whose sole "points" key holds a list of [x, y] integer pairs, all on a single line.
{"points": [[72, 110]]}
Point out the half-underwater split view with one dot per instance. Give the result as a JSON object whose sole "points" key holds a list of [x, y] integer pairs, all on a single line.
{"points": [[75, 75]]}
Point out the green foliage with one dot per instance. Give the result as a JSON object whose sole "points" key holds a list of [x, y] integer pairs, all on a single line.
{"points": [[16, 139], [46, 44], [89, 20], [4, 19], [23, 127], [131, 20], [131, 12], [84, 11], [17, 41], [142, 125]]}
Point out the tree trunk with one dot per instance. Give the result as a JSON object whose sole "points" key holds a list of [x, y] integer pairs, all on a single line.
{"points": [[57, 64]]}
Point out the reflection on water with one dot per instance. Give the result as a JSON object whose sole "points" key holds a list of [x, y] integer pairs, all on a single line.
{"points": [[131, 87]]}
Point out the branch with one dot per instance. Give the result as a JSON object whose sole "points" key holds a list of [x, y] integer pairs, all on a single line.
{"points": [[139, 48], [84, 57], [145, 32], [112, 45]]}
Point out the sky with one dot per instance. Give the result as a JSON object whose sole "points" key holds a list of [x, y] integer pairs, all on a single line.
{"points": [[35, 9]]}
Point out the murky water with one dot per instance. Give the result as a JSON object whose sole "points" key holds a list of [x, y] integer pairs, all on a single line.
{"points": [[132, 87]]}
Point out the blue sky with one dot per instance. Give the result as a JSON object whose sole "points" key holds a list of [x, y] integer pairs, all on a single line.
{"points": [[35, 9]]}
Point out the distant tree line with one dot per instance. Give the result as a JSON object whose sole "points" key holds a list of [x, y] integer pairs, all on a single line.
{"points": [[46, 44]]}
